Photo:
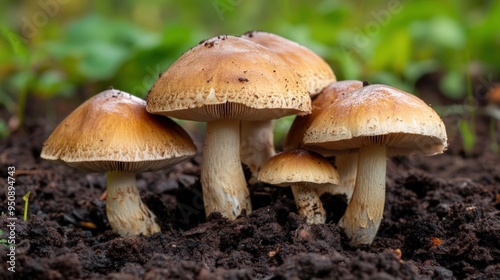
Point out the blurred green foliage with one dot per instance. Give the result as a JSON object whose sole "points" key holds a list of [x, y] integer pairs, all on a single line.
{"points": [[61, 48]]}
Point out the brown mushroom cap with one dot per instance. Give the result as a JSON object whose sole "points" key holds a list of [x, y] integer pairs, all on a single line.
{"points": [[327, 96], [298, 166], [227, 77], [113, 132], [378, 114], [311, 68]]}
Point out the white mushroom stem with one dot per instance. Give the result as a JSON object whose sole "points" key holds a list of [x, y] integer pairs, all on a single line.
{"points": [[364, 212], [309, 205], [257, 145], [222, 179], [126, 212], [347, 166]]}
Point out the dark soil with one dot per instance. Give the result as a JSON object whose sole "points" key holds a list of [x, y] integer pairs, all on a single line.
{"points": [[441, 221]]}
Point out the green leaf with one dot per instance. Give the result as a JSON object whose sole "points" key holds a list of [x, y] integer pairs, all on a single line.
{"points": [[100, 60], [416, 69], [468, 135], [452, 85], [389, 78], [51, 83], [393, 51], [446, 32], [4, 132], [22, 80], [17, 43]]}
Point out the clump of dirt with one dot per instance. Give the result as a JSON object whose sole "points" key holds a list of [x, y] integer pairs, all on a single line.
{"points": [[441, 221]]}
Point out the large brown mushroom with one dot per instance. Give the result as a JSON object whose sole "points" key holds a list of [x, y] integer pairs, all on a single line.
{"points": [[377, 120], [112, 133], [221, 81]]}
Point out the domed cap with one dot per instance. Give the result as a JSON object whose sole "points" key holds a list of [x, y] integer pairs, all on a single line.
{"points": [[113, 132], [378, 114], [327, 96], [227, 77], [298, 166], [311, 68]]}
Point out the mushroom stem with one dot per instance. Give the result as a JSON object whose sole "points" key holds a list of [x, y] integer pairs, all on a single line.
{"points": [[347, 166], [309, 205], [257, 145], [364, 212], [224, 186], [126, 212]]}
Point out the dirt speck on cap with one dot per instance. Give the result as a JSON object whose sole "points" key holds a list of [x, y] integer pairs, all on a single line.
{"points": [[209, 44]]}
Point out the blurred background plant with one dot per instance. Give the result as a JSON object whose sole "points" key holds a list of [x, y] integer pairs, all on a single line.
{"points": [[53, 50]]}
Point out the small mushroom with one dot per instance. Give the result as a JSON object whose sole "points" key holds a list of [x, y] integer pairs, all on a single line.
{"points": [[112, 133], [304, 171], [257, 137], [377, 120], [206, 84]]}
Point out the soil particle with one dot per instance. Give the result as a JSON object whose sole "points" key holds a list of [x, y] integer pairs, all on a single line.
{"points": [[336, 266]]}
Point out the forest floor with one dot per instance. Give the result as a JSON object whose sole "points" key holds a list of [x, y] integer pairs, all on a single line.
{"points": [[441, 221]]}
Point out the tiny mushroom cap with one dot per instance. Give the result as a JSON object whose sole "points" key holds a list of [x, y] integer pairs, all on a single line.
{"points": [[346, 162], [113, 133], [378, 120], [221, 81], [257, 136], [304, 171]]}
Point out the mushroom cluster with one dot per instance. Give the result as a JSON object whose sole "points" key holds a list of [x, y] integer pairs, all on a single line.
{"points": [[371, 122], [358, 124], [257, 136], [237, 86], [222, 81]]}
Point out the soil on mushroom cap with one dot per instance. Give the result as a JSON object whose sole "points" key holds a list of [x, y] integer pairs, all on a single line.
{"points": [[451, 197]]}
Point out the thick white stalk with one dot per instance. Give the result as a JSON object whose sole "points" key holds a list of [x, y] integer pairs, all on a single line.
{"points": [[347, 166], [126, 212], [257, 145], [222, 179], [309, 205], [366, 208]]}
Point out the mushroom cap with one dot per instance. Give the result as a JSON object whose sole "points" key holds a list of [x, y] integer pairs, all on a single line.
{"points": [[327, 96], [297, 166], [112, 131], [227, 77], [377, 114], [311, 68]]}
